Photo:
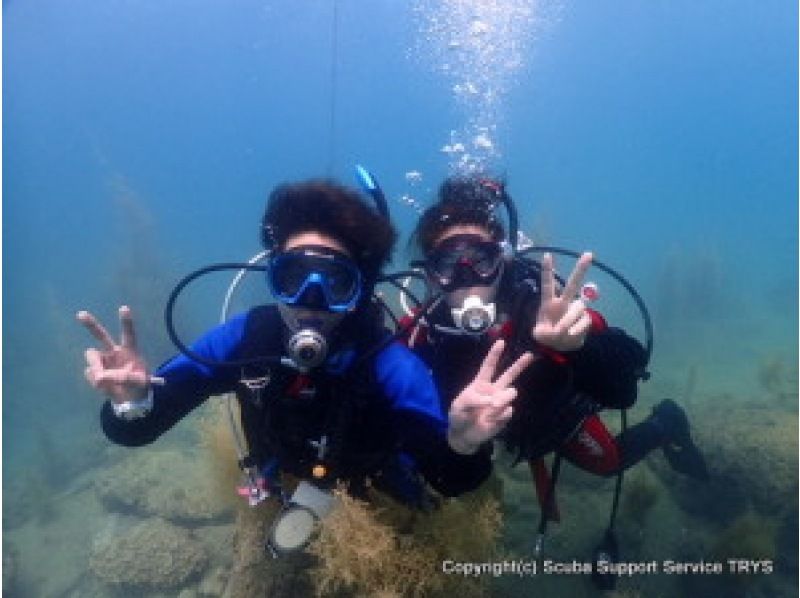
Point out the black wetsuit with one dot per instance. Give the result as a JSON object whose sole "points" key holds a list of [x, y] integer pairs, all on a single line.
{"points": [[559, 392], [384, 412]]}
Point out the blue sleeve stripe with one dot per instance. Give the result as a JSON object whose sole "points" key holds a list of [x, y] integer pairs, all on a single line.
{"points": [[408, 384]]}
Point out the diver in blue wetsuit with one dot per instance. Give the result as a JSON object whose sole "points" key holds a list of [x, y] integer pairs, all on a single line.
{"points": [[323, 396]]}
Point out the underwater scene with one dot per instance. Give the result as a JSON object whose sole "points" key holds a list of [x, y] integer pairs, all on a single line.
{"points": [[141, 140]]}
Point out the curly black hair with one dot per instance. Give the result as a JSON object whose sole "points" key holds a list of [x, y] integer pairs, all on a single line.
{"points": [[332, 209], [461, 200]]}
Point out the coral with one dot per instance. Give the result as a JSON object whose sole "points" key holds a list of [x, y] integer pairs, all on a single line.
{"points": [[139, 484], [641, 495], [152, 553], [690, 386], [771, 373], [218, 540], [53, 462], [361, 548], [682, 272], [10, 568], [463, 528], [254, 572], [778, 379], [375, 548], [213, 583], [138, 276], [752, 457], [749, 536], [218, 443], [352, 547]]}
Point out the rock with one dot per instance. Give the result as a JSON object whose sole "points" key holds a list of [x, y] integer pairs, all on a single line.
{"points": [[218, 540], [162, 483], [752, 458], [213, 584], [10, 558], [152, 553]]}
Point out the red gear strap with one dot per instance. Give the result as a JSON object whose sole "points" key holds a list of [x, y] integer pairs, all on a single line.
{"points": [[593, 448]]}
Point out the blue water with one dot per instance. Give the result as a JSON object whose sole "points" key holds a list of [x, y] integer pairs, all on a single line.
{"points": [[141, 139]]}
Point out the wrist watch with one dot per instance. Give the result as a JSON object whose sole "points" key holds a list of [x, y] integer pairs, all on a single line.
{"points": [[134, 409]]}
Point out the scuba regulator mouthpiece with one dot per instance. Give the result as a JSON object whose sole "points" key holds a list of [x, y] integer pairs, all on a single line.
{"points": [[474, 316], [307, 348]]}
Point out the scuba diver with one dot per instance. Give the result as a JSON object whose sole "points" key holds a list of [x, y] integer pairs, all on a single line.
{"points": [[582, 364], [326, 395]]}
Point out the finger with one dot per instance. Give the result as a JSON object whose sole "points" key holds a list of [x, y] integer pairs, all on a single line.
{"points": [[576, 278], [548, 279], [581, 328], [94, 366], [97, 381], [128, 338], [96, 329], [90, 374], [575, 311], [503, 399], [489, 364], [503, 417], [122, 377], [473, 401], [94, 359], [108, 385], [508, 377]]}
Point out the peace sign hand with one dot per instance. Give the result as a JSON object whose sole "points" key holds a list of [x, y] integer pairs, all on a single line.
{"points": [[562, 322], [118, 369], [484, 407]]}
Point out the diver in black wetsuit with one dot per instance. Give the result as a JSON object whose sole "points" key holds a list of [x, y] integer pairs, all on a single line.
{"points": [[582, 364], [317, 399]]}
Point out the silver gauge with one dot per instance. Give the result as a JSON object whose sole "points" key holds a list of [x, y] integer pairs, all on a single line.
{"points": [[292, 529]]}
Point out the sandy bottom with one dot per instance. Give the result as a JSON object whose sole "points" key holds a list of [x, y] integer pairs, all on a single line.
{"points": [[662, 517]]}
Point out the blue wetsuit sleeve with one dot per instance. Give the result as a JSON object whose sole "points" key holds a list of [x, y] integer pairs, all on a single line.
{"points": [[421, 424], [187, 385]]}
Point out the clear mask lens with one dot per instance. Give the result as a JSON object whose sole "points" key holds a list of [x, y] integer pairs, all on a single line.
{"points": [[465, 260], [315, 280]]}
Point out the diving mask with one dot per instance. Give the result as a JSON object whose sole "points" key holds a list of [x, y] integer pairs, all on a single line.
{"points": [[465, 261], [316, 278], [316, 286], [468, 269]]}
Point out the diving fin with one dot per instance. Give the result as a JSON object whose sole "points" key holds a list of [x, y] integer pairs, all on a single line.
{"points": [[607, 552], [679, 449]]}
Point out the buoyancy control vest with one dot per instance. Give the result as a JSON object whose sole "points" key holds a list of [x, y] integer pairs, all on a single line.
{"points": [[549, 410], [335, 419]]}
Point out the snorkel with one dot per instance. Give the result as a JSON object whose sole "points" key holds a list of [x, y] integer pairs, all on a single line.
{"points": [[370, 185]]}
